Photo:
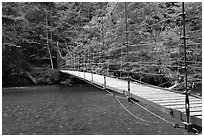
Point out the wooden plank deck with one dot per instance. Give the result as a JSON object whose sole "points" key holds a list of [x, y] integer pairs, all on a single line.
{"points": [[164, 100]]}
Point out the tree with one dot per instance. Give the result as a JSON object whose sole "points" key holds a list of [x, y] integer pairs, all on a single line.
{"points": [[31, 30]]}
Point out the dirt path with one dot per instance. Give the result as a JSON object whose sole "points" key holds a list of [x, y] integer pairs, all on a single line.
{"points": [[76, 110]]}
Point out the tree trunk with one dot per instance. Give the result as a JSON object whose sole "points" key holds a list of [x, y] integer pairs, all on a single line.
{"points": [[58, 56], [31, 77], [51, 36], [48, 48]]}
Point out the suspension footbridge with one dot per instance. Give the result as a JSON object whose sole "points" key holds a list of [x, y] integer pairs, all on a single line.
{"points": [[166, 101], [101, 67]]}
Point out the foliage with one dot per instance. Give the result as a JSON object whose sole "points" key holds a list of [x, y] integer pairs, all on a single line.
{"points": [[31, 30], [46, 76]]}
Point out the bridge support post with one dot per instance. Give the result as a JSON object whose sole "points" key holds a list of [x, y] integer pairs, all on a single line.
{"points": [[84, 65], [104, 86], [78, 65], [129, 95], [84, 74], [187, 104], [127, 57], [92, 77]]}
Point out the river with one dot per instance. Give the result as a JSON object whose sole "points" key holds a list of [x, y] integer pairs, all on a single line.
{"points": [[79, 109]]}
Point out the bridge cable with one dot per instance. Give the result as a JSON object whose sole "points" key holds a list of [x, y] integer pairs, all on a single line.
{"points": [[116, 97], [166, 121], [175, 125]]}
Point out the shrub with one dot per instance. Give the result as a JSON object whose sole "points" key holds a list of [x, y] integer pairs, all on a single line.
{"points": [[46, 76]]}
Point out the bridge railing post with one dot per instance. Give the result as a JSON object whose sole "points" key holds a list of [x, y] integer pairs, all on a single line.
{"points": [[103, 44], [129, 94], [78, 65], [84, 64], [92, 68], [126, 33], [104, 86], [92, 75], [187, 105]]}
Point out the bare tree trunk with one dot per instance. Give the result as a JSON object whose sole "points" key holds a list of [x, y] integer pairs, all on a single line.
{"points": [[48, 48], [51, 38]]}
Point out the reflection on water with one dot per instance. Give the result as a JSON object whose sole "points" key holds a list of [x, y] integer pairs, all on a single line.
{"points": [[54, 93]]}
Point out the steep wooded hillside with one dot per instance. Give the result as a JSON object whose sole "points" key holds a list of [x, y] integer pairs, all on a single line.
{"points": [[31, 32]]}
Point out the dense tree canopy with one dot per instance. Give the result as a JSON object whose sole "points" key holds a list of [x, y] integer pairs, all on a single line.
{"points": [[31, 31]]}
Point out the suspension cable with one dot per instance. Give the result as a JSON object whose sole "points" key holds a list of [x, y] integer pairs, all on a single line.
{"points": [[166, 121], [146, 121]]}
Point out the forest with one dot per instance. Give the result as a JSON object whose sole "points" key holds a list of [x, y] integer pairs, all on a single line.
{"points": [[34, 33]]}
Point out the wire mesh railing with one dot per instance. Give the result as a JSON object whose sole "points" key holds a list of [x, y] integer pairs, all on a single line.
{"points": [[141, 59], [153, 63]]}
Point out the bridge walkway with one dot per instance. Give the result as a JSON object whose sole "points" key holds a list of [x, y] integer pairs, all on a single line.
{"points": [[166, 101]]}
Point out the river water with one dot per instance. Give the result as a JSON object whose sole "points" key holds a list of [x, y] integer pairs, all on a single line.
{"points": [[79, 109]]}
